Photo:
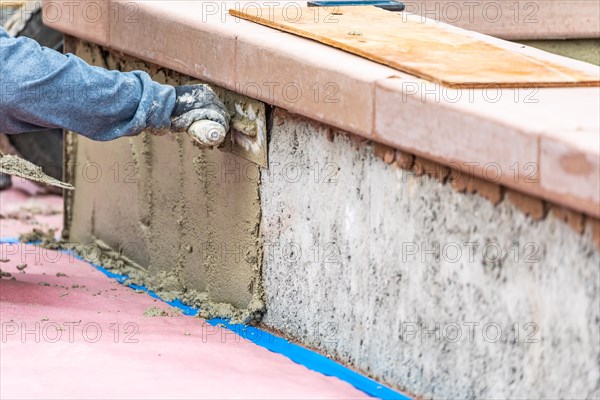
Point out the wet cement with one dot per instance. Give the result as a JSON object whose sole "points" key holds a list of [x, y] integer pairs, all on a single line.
{"points": [[16, 166], [189, 218]]}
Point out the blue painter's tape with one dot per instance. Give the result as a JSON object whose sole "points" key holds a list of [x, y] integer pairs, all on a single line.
{"points": [[310, 359], [300, 355]]}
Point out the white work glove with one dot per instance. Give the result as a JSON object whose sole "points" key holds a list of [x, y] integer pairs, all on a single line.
{"points": [[197, 103]]}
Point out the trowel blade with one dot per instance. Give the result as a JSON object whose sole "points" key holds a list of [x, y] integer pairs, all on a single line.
{"points": [[15, 166], [247, 137], [253, 149]]}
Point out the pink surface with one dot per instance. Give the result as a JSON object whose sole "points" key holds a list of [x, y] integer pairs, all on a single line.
{"points": [[20, 212], [107, 348]]}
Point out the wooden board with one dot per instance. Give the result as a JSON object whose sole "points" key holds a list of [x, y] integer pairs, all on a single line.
{"points": [[427, 49]]}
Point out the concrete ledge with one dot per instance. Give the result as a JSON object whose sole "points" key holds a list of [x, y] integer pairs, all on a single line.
{"points": [[89, 20], [518, 138]]}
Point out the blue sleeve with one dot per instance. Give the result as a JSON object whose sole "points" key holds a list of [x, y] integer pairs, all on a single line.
{"points": [[41, 88]]}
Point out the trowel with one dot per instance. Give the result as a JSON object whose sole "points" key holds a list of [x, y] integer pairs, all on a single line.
{"points": [[16, 166], [247, 136]]}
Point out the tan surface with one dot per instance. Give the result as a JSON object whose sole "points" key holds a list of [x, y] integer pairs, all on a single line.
{"points": [[424, 48]]}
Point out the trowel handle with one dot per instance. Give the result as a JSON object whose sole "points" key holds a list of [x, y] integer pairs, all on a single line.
{"points": [[207, 133]]}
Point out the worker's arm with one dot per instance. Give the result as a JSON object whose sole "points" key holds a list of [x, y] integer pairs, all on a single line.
{"points": [[41, 88]]}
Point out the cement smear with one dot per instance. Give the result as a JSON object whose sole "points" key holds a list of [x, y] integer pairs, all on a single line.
{"points": [[189, 218]]}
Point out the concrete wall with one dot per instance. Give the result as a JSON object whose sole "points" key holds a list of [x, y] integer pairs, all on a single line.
{"points": [[352, 267], [435, 292]]}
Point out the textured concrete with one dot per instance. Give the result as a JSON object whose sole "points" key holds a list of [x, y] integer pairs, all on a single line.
{"points": [[351, 268], [166, 204]]}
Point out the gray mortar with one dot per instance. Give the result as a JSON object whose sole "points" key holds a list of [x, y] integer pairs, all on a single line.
{"points": [[170, 208], [354, 301]]}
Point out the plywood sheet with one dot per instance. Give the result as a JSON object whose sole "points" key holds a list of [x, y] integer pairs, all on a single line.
{"points": [[425, 48]]}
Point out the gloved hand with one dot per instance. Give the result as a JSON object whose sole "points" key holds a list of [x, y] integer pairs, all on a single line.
{"points": [[196, 103]]}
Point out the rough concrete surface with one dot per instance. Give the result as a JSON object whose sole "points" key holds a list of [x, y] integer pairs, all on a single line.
{"points": [[508, 307], [168, 205]]}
